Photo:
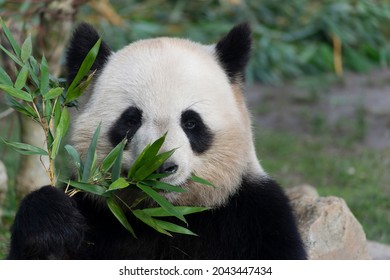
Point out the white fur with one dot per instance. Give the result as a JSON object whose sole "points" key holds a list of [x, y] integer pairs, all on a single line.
{"points": [[164, 77]]}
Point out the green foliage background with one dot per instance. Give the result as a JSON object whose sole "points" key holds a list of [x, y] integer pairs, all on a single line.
{"points": [[291, 38]]}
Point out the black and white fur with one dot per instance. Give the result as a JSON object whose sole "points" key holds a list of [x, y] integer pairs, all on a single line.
{"points": [[193, 92]]}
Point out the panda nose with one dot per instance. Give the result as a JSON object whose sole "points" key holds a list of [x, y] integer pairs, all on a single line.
{"points": [[168, 167]]}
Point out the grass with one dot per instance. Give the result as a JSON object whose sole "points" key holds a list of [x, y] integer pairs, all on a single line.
{"points": [[360, 176]]}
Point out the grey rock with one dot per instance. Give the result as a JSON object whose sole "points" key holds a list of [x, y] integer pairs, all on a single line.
{"points": [[328, 228]]}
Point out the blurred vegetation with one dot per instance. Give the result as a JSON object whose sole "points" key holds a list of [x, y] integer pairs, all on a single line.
{"points": [[291, 38]]}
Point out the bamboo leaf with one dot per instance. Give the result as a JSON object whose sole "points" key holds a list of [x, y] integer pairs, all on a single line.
{"points": [[118, 213], [151, 165], [20, 107], [57, 113], [161, 201], [44, 79], [53, 93], [26, 149], [110, 159], [117, 165], [163, 186], [26, 49], [17, 93], [33, 68], [83, 70], [91, 188], [201, 181], [10, 38], [4, 78], [79, 90], [90, 155], [174, 228], [148, 153], [155, 176], [76, 159], [10, 55], [149, 221], [184, 210], [61, 130], [21, 78], [48, 110], [118, 184]]}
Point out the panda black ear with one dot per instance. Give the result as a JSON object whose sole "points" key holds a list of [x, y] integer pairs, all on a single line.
{"points": [[233, 51], [83, 39]]}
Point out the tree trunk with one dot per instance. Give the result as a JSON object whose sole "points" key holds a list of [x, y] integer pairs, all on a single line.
{"points": [[3, 187]]}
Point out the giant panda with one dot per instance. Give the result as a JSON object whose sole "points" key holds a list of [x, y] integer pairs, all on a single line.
{"points": [[193, 92]]}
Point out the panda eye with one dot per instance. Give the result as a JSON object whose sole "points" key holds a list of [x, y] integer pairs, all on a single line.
{"points": [[190, 124]]}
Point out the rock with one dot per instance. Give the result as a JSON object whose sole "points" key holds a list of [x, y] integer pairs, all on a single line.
{"points": [[379, 251], [3, 187], [328, 228]]}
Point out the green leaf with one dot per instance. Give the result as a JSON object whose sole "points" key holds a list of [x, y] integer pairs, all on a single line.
{"points": [[26, 149], [201, 181], [184, 210], [17, 93], [90, 188], [48, 111], [22, 78], [151, 165], [155, 176], [44, 79], [149, 221], [148, 153], [118, 184], [137, 163], [61, 130], [26, 50], [10, 38], [10, 55], [118, 213], [90, 155], [79, 90], [53, 93], [4, 78], [57, 113], [117, 165], [20, 107], [161, 201], [109, 160], [76, 159], [33, 68], [174, 228], [83, 70], [163, 186]]}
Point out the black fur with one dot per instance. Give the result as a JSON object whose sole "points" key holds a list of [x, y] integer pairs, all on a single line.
{"points": [[47, 225], [233, 51], [83, 39], [256, 223], [199, 135], [125, 126]]}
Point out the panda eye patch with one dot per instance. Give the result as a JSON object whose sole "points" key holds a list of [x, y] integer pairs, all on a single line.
{"points": [[199, 135], [126, 125]]}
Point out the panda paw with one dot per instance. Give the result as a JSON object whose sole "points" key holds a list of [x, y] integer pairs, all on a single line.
{"points": [[48, 225]]}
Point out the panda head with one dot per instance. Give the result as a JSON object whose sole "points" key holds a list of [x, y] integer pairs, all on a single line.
{"points": [[189, 90]]}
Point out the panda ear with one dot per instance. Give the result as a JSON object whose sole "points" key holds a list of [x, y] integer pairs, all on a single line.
{"points": [[233, 51], [83, 39]]}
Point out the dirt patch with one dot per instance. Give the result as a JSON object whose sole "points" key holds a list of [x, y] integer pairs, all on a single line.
{"points": [[356, 107]]}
